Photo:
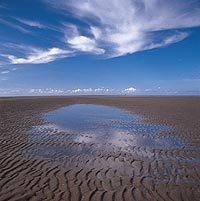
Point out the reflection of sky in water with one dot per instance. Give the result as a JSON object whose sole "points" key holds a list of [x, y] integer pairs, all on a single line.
{"points": [[103, 124]]}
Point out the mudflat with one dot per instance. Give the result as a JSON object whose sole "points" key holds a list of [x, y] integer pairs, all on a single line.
{"points": [[90, 148]]}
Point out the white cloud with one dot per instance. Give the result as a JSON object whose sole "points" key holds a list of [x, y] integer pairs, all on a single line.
{"points": [[79, 42], [103, 90], [129, 90], [78, 91], [46, 91], [39, 56], [31, 23], [85, 44], [89, 91], [83, 90], [57, 91], [92, 91], [118, 27]]}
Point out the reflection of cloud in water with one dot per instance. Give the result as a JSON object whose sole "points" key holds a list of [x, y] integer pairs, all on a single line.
{"points": [[102, 124], [121, 139], [124, 139], [85, 138]]}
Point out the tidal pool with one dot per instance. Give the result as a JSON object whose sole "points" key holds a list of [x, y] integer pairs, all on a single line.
{"points": [[89, 123]]}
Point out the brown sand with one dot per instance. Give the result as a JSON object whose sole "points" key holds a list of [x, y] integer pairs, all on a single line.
{"points": [[92, 172]]}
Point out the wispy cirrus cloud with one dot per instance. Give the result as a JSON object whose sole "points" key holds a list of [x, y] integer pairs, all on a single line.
{"points": [[31, 23], [14, 26], [38, 56], [124, 27], [104, 28]]}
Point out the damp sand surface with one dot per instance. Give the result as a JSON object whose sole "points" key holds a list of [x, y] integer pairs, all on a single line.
{"points": [[100, 148]]}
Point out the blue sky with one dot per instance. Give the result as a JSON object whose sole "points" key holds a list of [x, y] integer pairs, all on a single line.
{"points": [[146, 47]]}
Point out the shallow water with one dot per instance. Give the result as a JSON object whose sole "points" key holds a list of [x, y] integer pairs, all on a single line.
{"points": [[89, 123]]}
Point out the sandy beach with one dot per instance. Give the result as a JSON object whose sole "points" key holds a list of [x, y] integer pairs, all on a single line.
{"points": [[41, 162]]}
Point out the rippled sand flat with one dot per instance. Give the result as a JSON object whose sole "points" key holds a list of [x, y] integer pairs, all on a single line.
{"points": [[100, 148]]}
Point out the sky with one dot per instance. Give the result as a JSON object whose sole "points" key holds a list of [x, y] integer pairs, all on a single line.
{"points": [[99, 47]]}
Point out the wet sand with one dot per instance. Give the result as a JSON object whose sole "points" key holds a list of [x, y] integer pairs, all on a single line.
{"points": [[66, 169]]}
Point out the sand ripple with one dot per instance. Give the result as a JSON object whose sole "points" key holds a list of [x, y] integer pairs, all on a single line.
{"points": [[88, 171]]}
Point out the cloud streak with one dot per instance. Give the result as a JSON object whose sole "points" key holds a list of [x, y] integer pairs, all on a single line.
{"points": [[14, 26], [39, 56], [31, 23]]}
